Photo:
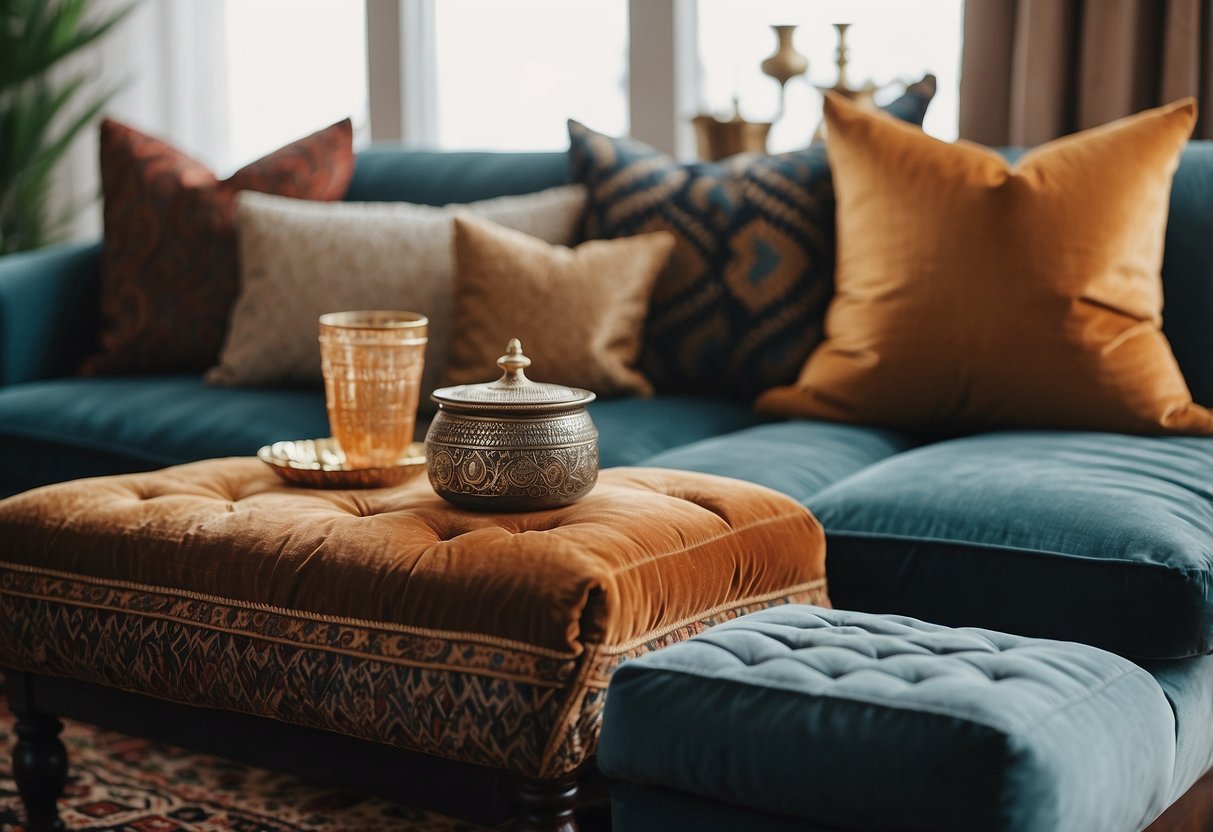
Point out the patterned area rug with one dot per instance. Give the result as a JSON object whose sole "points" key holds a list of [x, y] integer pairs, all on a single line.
{"points": [[120, 784]]}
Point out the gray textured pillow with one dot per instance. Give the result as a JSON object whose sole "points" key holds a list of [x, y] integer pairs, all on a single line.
{"points": [[299, 259]]}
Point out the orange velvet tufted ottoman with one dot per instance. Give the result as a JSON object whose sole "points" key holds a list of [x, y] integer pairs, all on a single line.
{"points": [[388, 614]]}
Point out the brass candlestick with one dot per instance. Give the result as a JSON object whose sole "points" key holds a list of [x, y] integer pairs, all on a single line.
{"points": [[865, 96], [843, 53], [786, 63]]}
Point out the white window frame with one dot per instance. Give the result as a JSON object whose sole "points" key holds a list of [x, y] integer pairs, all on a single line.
{"points": [[662, 50]]}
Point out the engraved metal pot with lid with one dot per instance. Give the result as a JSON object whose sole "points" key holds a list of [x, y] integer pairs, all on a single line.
{"points": [[513, 444]]}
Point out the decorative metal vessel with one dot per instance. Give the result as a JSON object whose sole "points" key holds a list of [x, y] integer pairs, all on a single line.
{"points": [[720, 139], [786, 63], [513, 444]]}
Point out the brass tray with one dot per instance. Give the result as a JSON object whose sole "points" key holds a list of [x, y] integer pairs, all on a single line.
{"points": [[319, 463]]}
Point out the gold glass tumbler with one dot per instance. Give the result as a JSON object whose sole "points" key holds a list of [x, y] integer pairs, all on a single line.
{"points": [[372, 363]]}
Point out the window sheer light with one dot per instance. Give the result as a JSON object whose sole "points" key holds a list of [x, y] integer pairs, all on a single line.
{"points": [[290, 74], [510, 73], [890, 42]]}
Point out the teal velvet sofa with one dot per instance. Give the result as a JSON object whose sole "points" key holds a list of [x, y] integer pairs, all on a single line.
{"points": [[55, 426], [1087, 537]]}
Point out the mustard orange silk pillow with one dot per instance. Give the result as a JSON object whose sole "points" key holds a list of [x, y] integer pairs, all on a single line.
{"points": [[974, 294], [579, 312]]}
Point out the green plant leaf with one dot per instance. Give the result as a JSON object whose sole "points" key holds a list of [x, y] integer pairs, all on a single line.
{"points": [[35, 130], [50, 32]]}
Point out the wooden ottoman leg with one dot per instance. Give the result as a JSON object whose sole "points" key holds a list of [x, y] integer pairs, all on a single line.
{"points": [[547, 805], [39, 758], [40, 769]]}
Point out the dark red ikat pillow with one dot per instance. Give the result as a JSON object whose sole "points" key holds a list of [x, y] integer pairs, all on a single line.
{"points": [[169, 273]]}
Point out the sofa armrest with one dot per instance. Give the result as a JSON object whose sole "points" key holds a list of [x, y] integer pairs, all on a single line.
{"points": [[48, 311]]}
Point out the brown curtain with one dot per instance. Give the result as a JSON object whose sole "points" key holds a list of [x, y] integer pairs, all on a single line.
{"points": [[1033, 70]]}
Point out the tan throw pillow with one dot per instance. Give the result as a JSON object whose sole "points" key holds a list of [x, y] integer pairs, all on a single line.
{"points": [[974, 294], [300, 259], [579, 312]]}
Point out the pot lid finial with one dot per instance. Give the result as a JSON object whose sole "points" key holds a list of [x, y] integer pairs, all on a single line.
{"points": [[513, 363]]}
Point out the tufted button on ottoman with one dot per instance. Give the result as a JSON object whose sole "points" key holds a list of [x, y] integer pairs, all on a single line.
{"points": [[804, 718], [387, 614]]}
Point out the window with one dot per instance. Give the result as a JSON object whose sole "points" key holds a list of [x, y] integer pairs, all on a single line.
{"points": [[508, 75], [291, 72], [889, 41]]}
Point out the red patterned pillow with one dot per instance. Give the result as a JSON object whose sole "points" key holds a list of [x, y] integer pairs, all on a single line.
{"points": [[169, 275]]}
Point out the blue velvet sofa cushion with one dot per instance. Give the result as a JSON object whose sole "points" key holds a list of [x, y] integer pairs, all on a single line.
{"points": [[1099, 538], [1188, 685], [798, 458], [631, 431], [432, 177], [48, 311], [851, 720], [78, 427]]}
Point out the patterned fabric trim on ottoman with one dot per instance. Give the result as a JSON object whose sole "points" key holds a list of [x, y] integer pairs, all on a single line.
{"points": [[387, 614], [850, 721]]}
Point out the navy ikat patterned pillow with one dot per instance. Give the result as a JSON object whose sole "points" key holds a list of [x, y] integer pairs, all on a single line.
{"points": [[741, 303]]}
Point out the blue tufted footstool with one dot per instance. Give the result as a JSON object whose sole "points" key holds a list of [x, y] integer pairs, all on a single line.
{"points": [[803, 718]]}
